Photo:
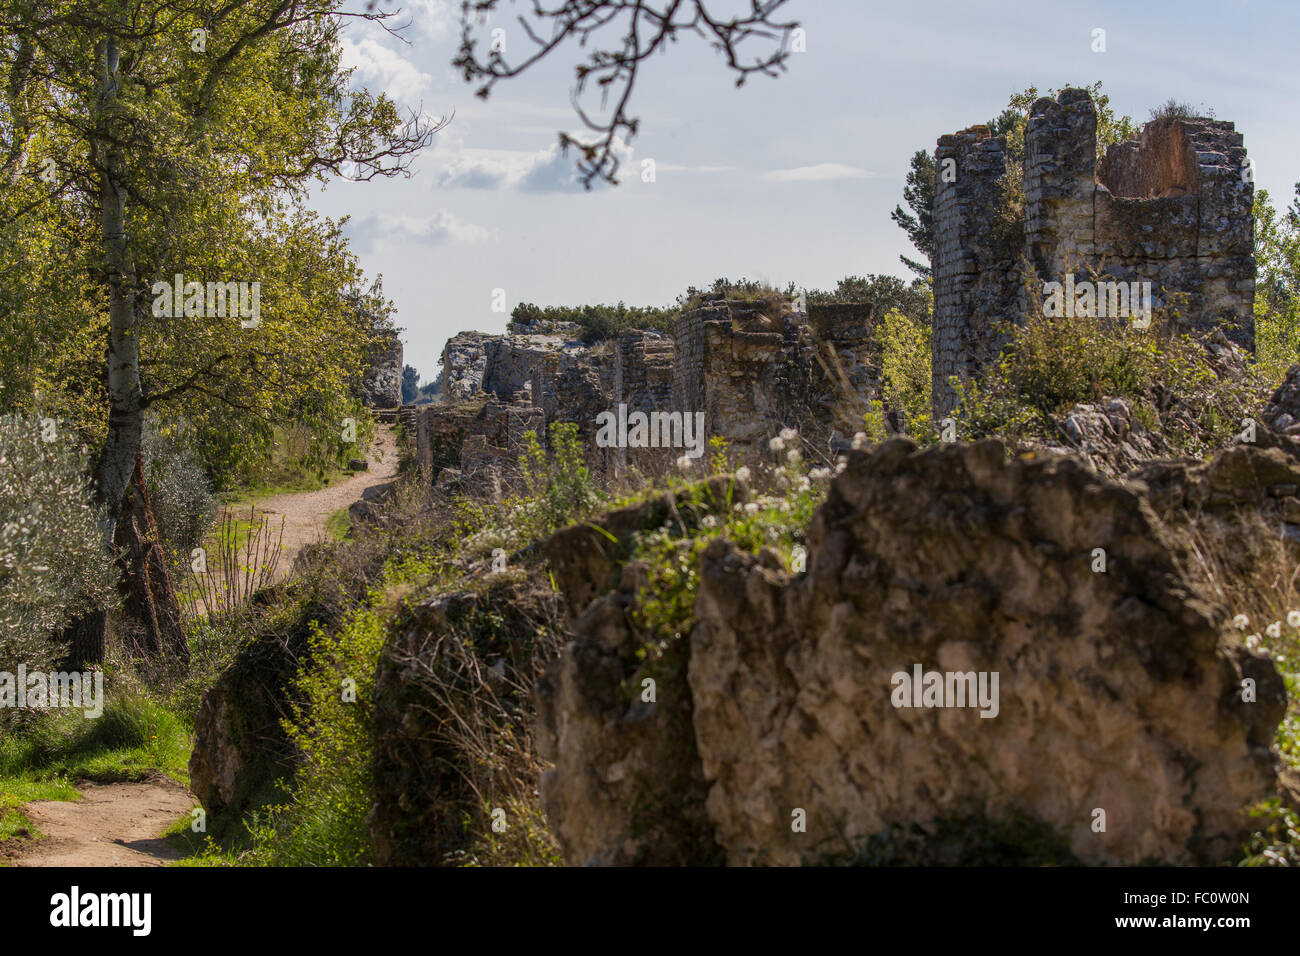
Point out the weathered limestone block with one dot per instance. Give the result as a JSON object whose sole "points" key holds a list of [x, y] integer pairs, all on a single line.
{"points": [[381, 385], [1118, 690], [626, 788], [464, 361]]}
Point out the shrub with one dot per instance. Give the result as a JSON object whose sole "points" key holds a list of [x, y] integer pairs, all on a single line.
{"points": [[1050, 363], [53, 563], [905, 368], [179, 491]]}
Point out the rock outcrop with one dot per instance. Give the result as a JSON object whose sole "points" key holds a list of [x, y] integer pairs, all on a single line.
{"points": [[627, 787], [240, 747], [1119, 692], [381, 386]]}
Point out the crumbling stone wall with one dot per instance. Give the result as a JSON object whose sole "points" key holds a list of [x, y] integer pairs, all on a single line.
{"points": [[975, 267], [1172, 209], [643, 368], [727, 360], [752, 368]]}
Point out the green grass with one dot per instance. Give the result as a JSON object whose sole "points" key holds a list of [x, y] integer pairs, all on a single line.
{"points": [[134, 738], [17, 791], [339, 524], [247, 495]]}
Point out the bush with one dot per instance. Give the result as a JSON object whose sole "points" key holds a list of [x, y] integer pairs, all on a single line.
{"points": [[1051, 363], [596, 322], [905, 368], [179, 491], [53, 563]]}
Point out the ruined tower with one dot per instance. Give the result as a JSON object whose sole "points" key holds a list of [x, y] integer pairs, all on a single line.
{"points": [[1172, 208]]}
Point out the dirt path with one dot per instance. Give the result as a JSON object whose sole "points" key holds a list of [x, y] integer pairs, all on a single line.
{"points": [[305, 513], [117, 824]]}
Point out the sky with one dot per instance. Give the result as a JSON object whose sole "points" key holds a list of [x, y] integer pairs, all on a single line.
{"points": [[785, 179]]}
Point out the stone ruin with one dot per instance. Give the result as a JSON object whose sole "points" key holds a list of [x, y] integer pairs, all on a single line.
{"points": [[381, 382], [1172, 209], [752, 368]]}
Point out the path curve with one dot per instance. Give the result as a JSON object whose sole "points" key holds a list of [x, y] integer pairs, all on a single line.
{"points": [[120, 824], [306, 512], [115, 824]]}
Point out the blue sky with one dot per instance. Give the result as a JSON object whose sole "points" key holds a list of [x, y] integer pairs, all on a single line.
{"points": [[788, 179]]}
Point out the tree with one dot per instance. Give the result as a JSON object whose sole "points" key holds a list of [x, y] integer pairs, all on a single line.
{"points": [[919, 223], [613, 67], [410, 384], [139, 138], [1277, 285]]}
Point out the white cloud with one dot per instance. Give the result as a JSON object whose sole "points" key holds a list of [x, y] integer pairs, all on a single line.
{"points": [[440, 227], [539, 171], [434, 19], [820, 173], [381, 69]]}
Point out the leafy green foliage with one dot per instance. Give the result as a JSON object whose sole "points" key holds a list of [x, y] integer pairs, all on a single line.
{"points": [[1049, 364], [596, 323], [53, 564], [1277, 841], [322, 823], [905, 368], [1277, 286], [919, 223]]}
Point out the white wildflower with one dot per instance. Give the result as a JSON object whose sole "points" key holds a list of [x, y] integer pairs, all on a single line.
{"points": [[1293, 618], [1274, 629], [776, 444], [742, 473], [859, 441], [751, 508], [793, 456], [817, 474], [684, 463], [1241, 622], [789, 434]]}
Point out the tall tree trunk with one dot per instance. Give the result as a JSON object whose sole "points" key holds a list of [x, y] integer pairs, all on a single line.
{"points": [[117, 460], [146, 586], [87, 638]]}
